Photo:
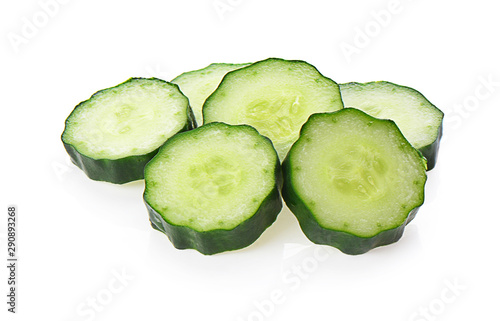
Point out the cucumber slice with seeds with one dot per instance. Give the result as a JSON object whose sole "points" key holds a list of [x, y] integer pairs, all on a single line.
{"points": [[420, 121], [353, 181], [197, 85], [214, 188], [112, 135], [275, 96]]}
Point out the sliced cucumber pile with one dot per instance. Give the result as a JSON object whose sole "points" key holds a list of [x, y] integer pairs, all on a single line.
{"points": [[419, 120], [214, 188], [353, 177], [353, 181], [275, 96], [112, 135], [197, 85]]}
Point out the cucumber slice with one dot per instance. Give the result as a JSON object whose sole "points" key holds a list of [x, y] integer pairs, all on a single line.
{"points": [[275, 96], [214, 188], [420, 121], [112, 135], [197, 85], [353, 181]]}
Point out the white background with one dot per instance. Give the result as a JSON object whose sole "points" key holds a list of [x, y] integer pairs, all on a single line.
{"points": [[81, 240]]}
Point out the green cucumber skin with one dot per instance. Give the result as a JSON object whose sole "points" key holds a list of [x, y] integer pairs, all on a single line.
{"points": [[430, 152], [116, 171], [346, 242], [217, 241], [191, 120]]}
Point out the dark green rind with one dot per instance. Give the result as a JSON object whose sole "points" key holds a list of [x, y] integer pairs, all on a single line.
{"points": [[117, 171], [217, 241], [191, 121], [430, 152], [220, 240], [344, 241]]}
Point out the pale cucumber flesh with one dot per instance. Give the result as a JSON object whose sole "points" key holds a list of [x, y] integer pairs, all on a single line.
{"points": [[197, 85], [355, 173], [418, 119], [213, 177], [133, 118], [275, 96]]}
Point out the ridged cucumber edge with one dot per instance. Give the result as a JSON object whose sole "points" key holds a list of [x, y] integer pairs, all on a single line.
{"points": [[219, 240], [346, 242], [123, 170], [430, 152], [192, 73], [214, 64], [230, 74], [116, 171]]}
